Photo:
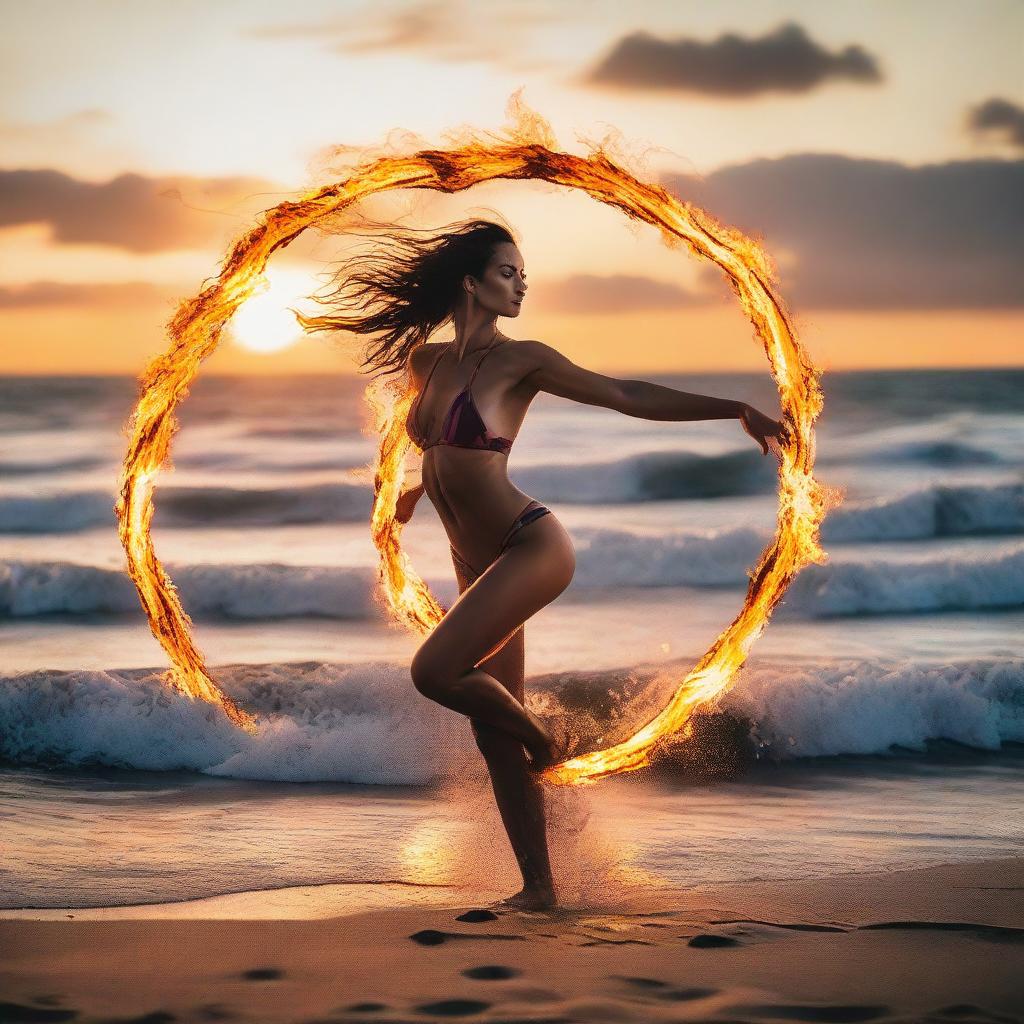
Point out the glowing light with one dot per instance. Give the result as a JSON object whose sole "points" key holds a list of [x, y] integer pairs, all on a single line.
{"points": [[529, 151], [264, 323]]}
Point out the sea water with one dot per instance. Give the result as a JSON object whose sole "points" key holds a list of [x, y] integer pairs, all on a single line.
{"points": [[880, 715]]}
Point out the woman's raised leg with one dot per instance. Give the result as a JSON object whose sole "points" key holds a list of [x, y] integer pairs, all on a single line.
{"points": [[525, 577]]}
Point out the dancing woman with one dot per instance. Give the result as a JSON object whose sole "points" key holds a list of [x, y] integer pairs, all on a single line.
{"points": [[510, 553]]}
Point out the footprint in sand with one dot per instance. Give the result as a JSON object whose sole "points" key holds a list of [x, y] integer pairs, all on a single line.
{"points": [[433, 937], [477, 915], [491, 972], [662, 989], [263, 974], [454, 1007], [708, 941], [795, 1011]]}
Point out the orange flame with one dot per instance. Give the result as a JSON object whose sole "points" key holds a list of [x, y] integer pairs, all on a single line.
{"points": [[528, 151]]}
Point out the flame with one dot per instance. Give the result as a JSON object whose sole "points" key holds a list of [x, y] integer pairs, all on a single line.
{"points": [[528, 150]]}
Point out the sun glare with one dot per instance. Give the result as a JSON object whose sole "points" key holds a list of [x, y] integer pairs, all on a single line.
{"points": [[264, 323]]}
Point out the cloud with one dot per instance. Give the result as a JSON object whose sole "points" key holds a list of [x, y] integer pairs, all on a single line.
{"points": [[1001, 116], [52, 294], [611, 293], [784, 60], [875, 234], [80, 122], [131, 211], [452, 31]]}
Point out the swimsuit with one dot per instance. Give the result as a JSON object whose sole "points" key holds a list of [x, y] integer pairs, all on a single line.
{"points": [[464, 428]]}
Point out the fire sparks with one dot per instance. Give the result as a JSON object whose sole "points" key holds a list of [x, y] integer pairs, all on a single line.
{"points": [[528, 151]]}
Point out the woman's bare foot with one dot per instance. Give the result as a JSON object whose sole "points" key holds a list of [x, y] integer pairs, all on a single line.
{"points": [[543, 757], [530, 897], [544, 753]]}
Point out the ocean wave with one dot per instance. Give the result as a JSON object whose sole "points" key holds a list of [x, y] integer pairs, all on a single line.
{"points": [[208, 591], [881, 587], [871, 586], [932, 453], [851, 706], [69, 511], [608, 559], [368, 724], [646, 477], [71, 464], [935, 510], [652, 476], [885, 448]]}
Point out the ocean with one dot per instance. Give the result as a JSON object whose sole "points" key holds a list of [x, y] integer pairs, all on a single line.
{"points": [[879, 721]]}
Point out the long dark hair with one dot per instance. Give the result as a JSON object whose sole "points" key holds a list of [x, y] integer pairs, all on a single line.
{"points": [[406, 288]]}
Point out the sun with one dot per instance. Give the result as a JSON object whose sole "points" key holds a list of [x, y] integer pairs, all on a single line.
{"points": [[264, 323]]}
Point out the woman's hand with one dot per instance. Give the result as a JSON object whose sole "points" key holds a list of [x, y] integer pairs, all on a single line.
{"points": [[406, 503], [763, 429]]}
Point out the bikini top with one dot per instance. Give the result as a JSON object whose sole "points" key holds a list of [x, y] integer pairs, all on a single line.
{"points": [[463, 426]]}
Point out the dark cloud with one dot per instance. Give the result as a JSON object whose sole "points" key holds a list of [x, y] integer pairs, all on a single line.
{"points": [[785, 60], [612, 293], [879, 234], [53, 294], [131, 211], [1001, 116]]}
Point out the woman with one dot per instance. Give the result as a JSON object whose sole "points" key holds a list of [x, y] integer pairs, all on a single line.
{"points": [[511, 555]]}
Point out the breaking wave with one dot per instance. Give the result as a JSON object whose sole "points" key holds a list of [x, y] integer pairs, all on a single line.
{"points": [[367, 723]]}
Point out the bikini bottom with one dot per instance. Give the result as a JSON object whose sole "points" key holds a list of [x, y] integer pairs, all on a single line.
{"points": [[533, 510]]}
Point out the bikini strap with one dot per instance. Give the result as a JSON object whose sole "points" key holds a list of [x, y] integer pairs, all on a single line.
{"points": [[423, 390], [432, 369]]}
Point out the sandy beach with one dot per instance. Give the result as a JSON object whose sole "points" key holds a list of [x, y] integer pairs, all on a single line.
{"points": [[936, 943]]}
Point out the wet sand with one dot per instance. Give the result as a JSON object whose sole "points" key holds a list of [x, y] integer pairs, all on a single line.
{"points": [[932, 944]]}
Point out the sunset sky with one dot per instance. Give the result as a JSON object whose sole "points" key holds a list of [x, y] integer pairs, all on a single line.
{"points": [[876, 148]]}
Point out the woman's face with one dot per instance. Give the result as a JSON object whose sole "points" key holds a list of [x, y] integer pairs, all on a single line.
{"points": [[503, 286]]}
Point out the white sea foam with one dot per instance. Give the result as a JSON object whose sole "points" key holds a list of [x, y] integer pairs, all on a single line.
{"points": [[363, 724], [367, 723], [866, 707]]}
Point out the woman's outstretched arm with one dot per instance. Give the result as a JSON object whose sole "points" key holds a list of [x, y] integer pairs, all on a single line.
{"points": [[554, 373]]}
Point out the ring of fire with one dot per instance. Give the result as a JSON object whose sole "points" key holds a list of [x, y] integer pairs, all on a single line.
{"points": [[528, 152]]}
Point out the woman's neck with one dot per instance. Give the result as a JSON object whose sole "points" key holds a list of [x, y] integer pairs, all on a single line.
{"points": [[463, 348]]}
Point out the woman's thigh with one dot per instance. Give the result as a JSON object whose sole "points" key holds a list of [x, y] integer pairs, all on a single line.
{"points": [[525, 577], [508, 665]]}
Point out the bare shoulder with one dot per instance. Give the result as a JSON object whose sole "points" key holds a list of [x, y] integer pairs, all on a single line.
{"points": [[422, 357], [531, 354], [543, 368]]}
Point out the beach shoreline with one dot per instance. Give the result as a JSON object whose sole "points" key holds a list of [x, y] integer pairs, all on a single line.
{"points": [[943, 941]]}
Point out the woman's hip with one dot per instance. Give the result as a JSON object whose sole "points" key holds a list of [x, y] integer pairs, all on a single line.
{"points": [[536, 525]]}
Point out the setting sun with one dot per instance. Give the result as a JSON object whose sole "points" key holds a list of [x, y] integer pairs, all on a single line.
{"points": [[265, 323]]}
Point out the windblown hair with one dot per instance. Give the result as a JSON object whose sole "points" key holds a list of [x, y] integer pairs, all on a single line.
{"points": [[406, 289]]}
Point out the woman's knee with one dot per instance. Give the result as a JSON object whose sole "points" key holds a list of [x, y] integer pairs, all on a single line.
{"points": [[429, 674]]}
